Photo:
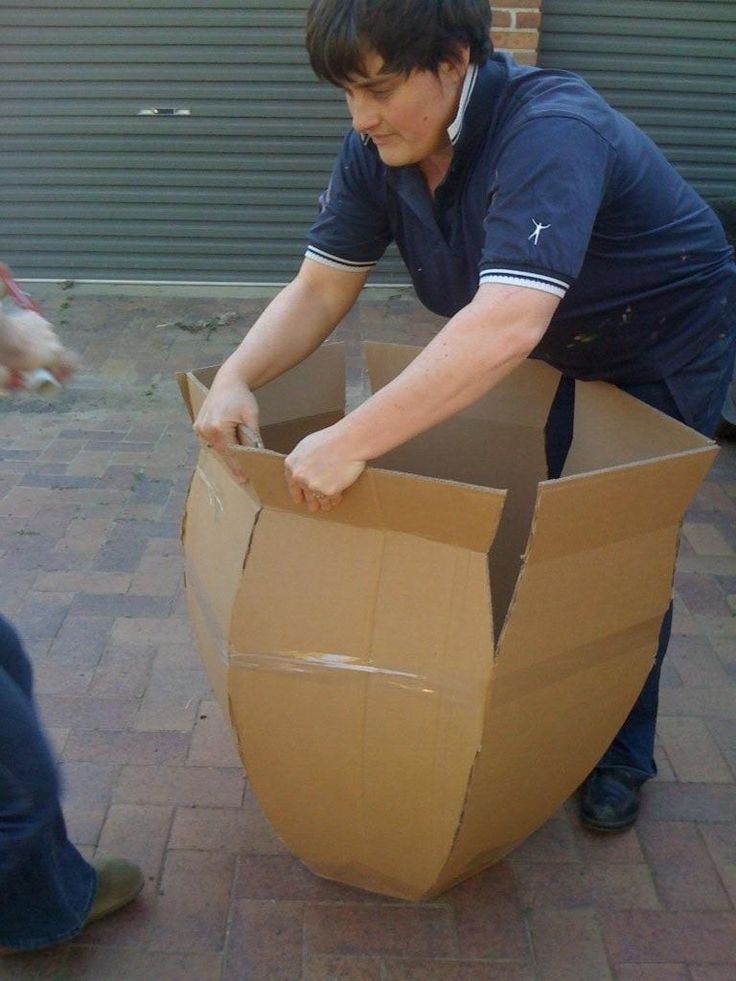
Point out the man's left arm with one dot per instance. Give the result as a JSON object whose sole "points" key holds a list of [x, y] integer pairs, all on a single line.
{"points": [[478, 347]]}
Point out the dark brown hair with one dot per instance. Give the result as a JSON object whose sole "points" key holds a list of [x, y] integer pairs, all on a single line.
{"points": [[407, 34]]}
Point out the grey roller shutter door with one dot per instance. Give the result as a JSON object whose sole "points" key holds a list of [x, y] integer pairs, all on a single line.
{"points": [[669, 65], [222, 190]]}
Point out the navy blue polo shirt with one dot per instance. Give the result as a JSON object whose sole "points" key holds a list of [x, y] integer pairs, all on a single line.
{"points": [[552, 189]]}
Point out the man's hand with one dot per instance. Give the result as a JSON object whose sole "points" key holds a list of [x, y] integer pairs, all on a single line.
{"points": [[317, 471], [230, 404], [28, 341]]}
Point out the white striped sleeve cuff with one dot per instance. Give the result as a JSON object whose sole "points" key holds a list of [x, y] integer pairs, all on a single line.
{"points": [[347, 265], [518, 277]]}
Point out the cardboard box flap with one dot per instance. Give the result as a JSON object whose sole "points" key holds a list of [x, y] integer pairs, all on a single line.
{"points": [[639, 498], [439, 510], [612, 428], [631, 541]]}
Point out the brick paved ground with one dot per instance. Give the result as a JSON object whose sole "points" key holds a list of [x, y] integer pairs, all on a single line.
{"points": [[91, 492]]}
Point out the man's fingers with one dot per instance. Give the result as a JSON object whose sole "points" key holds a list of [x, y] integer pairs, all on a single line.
{"points": [[220, 441], [328, 503], [316, 501], [296, 493], [215, 438]]}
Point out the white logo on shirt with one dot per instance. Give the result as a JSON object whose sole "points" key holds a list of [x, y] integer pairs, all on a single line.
{"points": [[538, 229]]}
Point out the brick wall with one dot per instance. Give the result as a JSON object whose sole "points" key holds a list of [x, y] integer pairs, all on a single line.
{"points": [[516, 28]]}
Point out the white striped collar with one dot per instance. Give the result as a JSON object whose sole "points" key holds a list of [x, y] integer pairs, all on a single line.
{"points": [[453, 130]]}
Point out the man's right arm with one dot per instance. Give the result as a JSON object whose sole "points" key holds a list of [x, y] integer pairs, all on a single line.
{"points": [[291, 327]]}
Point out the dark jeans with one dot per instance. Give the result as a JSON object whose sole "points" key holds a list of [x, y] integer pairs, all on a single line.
{"points": [[694, 395], [46, 887]]}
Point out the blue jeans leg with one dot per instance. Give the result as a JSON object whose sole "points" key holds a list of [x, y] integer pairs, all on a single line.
{"points": [[46, 887], [694, 395]]}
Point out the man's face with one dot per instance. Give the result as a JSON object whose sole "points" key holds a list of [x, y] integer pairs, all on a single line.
{"points": [[405, 116]]}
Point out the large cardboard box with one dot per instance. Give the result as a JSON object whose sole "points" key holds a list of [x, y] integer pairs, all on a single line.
{"points": [[419, 678]]}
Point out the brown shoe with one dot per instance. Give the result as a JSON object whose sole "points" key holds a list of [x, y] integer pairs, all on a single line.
{"points": [[118, 882]]}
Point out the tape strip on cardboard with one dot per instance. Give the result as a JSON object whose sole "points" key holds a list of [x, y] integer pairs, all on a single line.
{"points": [[506, 688], [330, 664]]}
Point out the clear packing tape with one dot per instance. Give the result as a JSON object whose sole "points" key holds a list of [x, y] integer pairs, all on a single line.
{"points": [[509, 687], [299, 662]]}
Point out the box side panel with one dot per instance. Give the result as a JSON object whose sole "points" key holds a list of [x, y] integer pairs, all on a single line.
{"points": [[472, 451], [497, 442], [359, 667], [219, 519], [282, 437], [612, 428], [305, 603], [312, 388], [432, 610], [455, 514], [521, 398], [500, 455], [549, 730], [577, 646], [592, 510]]}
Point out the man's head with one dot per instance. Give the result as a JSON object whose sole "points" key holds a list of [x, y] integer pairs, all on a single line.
{"points": [[408, 35]]}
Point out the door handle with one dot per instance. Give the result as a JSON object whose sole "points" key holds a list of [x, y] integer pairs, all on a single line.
{"points": [[164, 111]]}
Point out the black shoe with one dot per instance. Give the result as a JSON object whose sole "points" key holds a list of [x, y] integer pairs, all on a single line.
{"points": [[610, 800]]}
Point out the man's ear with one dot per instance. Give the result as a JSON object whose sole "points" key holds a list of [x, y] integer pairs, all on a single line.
{"points": [[457, 63]]}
